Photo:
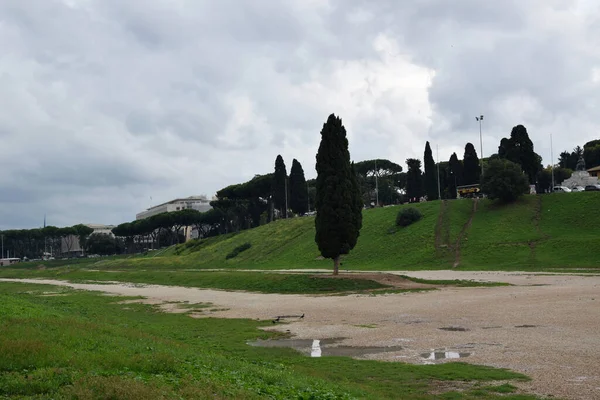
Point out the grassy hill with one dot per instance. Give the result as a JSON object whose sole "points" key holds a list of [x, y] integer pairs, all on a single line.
{"points": [[537, 233]]}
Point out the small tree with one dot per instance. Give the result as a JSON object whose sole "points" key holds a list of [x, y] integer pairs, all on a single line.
{"points": [[338, 202], [298, 189], [431, 187], [414, 179], [279, 186], [504, 180], [471, 167]]}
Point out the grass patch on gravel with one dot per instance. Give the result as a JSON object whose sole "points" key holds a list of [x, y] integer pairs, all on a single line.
{"points": [[88, 345], [225, 280], [455, 282]]}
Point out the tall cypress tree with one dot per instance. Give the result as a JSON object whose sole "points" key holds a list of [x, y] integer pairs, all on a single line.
{"points": [[471, 167], [338, 201], [298, 189], [431, 188], [414, 179], [279, 186], [454, 174]]}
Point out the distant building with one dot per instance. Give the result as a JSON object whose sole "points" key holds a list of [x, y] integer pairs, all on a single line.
{"points": [[594, 171], [69, 245], [198, 203]]}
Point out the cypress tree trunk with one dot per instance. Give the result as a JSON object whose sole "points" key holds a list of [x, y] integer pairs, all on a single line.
{"points": [[336, 265]]}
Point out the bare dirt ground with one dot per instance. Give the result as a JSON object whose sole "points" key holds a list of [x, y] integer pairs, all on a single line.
{"points": [[545, 326]]}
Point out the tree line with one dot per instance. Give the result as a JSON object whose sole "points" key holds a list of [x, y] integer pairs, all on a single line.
{"points": [[32, 243]]}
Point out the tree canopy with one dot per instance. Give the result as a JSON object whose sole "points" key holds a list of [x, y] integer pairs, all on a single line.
{"points": [[298, 189], [431, 187], [414, 179], [279, 186], [519, 149], [504, 180], [471, 167]]}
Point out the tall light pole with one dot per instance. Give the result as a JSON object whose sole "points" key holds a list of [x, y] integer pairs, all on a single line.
{"points": [[307, 197], [480, 118], [376, 186], [2, 246], [437, 149], [552, 162], [286, 206]]}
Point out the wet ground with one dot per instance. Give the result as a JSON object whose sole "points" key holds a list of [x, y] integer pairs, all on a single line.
{"points": [[545, 326]]}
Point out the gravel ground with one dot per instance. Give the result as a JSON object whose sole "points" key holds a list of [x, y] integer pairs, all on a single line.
{"points": [[545, 326]]}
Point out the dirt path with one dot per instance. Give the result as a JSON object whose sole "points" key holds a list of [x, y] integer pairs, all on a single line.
{"points": [[463, 233], [545, 327]]}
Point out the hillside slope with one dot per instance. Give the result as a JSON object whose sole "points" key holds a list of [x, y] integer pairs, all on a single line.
{"points": [[538, 232]]}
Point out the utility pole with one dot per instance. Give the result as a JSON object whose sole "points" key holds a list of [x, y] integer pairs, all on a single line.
{"points": [[552, 162], [2, 246], [307, 197], [437, 149], [480, 118], [376, 186], [286, 206]]}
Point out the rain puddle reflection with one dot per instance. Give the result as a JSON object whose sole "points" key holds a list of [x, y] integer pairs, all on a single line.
{"points": [[443, 355], [324, 347]]}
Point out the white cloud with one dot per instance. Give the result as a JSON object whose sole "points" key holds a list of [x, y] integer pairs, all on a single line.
{"points": [[108, 102]]}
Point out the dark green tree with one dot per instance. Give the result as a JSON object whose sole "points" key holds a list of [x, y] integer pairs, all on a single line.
{"points": [[471, 166], [591, 153], [519, 149], [279, 186], [431, 188], [338, 202], [414, 179], [382, 175], [454, 174], [298, 189], [82, 232], [104, 244], [504, 180]]}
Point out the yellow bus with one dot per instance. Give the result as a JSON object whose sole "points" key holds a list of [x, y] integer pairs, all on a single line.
{"points": [[468, 191]]}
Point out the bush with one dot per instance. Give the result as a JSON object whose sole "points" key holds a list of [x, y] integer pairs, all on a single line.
{"points": [[238, 250], [504, 180], [408, 216]]}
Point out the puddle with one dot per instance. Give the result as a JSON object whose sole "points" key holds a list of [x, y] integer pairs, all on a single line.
{"points": [[443, 355], [324, 347], [454, 329]]}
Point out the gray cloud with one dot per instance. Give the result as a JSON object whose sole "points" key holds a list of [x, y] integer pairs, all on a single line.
{"points": [[108, 103]]}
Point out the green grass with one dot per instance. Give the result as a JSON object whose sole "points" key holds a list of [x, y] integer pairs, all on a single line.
{"points": [[226, 280], [537, 233], [86, 345], [455, 282]]}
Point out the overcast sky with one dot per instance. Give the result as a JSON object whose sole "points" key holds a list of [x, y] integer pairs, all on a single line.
{"points": [[107, 103]]}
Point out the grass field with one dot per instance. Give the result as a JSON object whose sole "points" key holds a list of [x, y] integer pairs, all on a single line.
{"points": [[66, 344], [557, 231], [233, 280]]}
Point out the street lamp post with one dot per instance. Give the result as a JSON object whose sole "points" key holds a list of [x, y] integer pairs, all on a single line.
{"points": [[376, 186], [552, 162], [480, 118], [438, 170]]}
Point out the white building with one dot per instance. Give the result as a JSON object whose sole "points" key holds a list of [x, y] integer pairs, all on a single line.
{"points": [[70, 244], [198, 203]]}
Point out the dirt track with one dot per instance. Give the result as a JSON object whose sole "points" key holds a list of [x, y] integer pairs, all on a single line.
{"points": [[545, 327]]}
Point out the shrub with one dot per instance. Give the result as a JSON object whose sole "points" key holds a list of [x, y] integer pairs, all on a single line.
{"points": [[408, 216], [504, 180], [238, 250]]}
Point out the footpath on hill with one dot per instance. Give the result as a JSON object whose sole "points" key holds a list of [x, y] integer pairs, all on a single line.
{"points": [[544, 326]]}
